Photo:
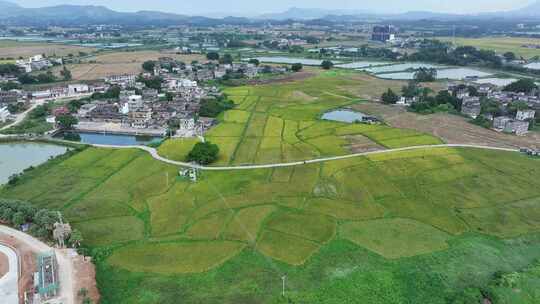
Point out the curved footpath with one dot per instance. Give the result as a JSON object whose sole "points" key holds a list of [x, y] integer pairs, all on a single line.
{"points": [[153, 152], [9, 287]]}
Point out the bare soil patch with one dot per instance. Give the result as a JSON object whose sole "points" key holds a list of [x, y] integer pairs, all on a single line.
{"points": [[119, 63], [299, 95], [16, 50], [451, 129], [4, 265], [360, 144], [85, 273], [299, 76]]}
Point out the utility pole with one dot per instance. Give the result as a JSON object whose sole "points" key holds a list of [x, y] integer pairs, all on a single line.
{"points": [[283, 278]]}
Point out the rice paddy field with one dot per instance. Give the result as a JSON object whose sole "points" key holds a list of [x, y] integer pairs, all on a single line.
{"points": [[393, 228], [418, 226], [281, 123]]}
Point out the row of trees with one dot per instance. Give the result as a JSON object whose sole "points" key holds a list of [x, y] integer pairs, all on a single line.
{"points": [[442, 52]]}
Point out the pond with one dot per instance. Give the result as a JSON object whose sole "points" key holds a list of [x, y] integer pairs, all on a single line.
{"points": [[348, 116], [291, 60], [500, 82], [361, 64], [17, 156], [116, 139], [454, 74], [400, 67]]}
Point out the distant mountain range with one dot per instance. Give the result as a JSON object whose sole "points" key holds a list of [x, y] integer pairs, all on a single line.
{"points": [[66, 15], [531, 11]]}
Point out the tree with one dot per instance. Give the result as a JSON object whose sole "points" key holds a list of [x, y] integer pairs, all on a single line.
{"points": [[444, 97], [389, 97], [203, 153], [297, 67], [75, 238], [327, 64], [516, 106], [254, 61], [10, 85], [227, 59], [425, 75], [66, 74], [509, 56], [149, 65], [296, 49], [18, 218], [521, 86], [410, 90], [212, 56], [66, 121]]}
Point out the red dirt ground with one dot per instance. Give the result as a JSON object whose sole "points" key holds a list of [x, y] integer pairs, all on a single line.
{"points": [[28, 264], [4, 266]]}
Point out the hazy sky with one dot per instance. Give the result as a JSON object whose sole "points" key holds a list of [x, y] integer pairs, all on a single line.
{"points": [[254, 7]]}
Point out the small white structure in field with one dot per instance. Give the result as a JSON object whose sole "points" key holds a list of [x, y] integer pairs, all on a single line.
{"points": [[190, 174]]}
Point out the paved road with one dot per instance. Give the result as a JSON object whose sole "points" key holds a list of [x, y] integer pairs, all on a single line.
{"points": [[65, 264], [153, 152], [9, 288]]}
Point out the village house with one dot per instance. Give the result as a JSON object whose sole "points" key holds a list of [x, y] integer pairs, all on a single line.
{"points": [[499, 123], [4, 114], [525, 114], [517, 127], [8, 97], [76, 89], [471, 107], [124, 80], [140, 117]]}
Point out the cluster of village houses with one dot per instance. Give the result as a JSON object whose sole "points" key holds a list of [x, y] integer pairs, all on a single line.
{"points": [[518, 124], [139, 109], [37, 63]]}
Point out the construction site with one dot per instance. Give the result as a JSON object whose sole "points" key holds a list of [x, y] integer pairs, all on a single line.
{"points": [[32, 272]]}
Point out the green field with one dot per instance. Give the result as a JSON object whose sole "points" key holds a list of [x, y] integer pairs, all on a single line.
{"points": [[280, 123], [501, 44], [406, 227]]}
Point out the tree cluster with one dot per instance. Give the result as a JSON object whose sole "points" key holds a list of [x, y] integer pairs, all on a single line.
{"points": [[42, 78], [9, 69], [215, 106], [203, 153], [112, 93], [521, 86], [425, 75], [16, 213], [327, 64]]}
